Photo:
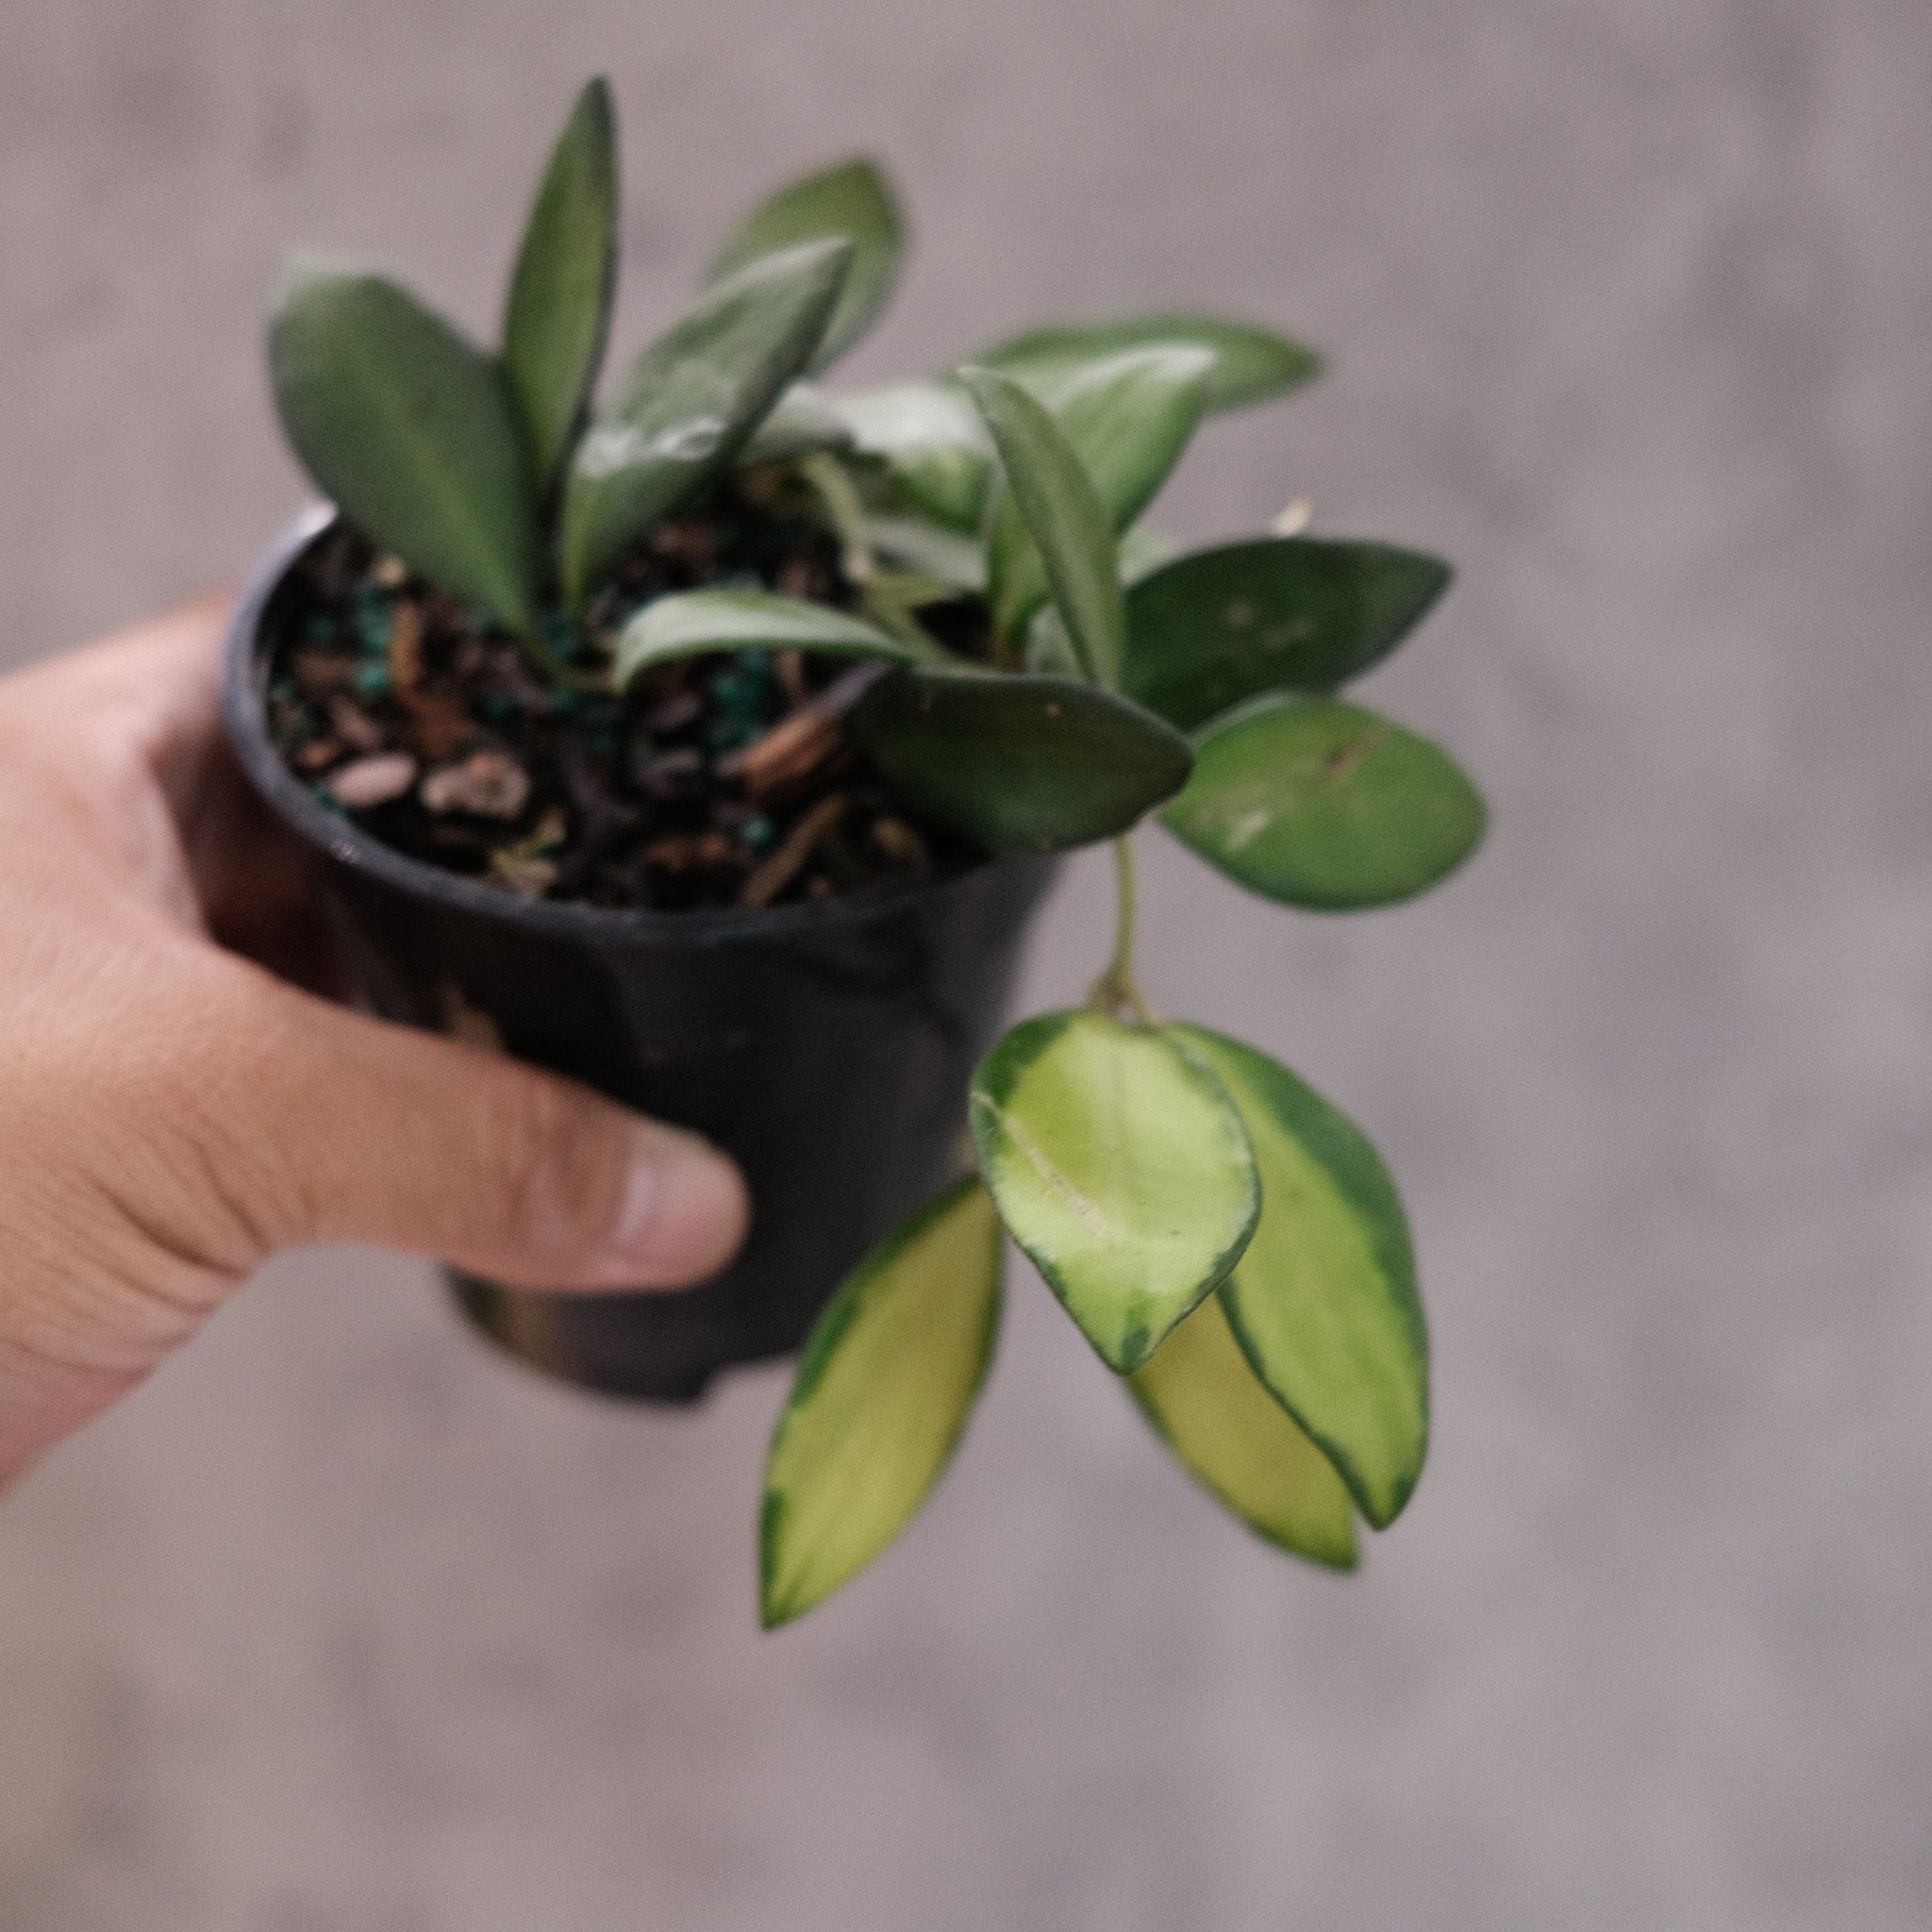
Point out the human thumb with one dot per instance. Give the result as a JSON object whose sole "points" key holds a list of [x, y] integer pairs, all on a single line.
{"points": [[380, 1133]]}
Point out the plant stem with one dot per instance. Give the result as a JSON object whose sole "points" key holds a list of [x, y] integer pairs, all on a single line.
{"points": [[899, 619], [1117, 991], [550, 669], [845, 510], [846, 514]]}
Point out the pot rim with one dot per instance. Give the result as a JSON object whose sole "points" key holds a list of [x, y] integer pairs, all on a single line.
{"points": [[243, 709]]}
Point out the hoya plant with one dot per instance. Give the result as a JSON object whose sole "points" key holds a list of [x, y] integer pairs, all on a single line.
{"points": [[1034, 669]]}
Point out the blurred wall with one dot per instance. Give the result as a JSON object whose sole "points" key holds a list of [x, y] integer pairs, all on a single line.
{"points": [[341, 1625]]}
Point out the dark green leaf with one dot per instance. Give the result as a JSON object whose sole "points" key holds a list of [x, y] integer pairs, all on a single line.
{"points": [[802, 422], [409, 428], [933, 444], [688, 623], [691, 401], [1020, 763], [853, 200], [883, 1392], [559, 308], [1324, 1302], [1241, 1445], [1065, 518], [1324, 805], [1278, 613], [1250, 365], [1122, 1168], [1128, 419]]}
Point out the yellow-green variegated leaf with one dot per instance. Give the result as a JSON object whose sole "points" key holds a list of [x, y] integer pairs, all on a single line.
{"points": [[883, 1392], [1241, 1445], [1324, 1302], [1119, 1165]]}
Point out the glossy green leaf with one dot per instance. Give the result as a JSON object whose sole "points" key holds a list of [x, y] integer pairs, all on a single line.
{"points": [[1278, 613], [1128, 418], [1048, 647], [853, 200], [1325, 1302], [1241, 1445], [1250, 365], [559, 311], [1065, 518], [686, 623], [1049, 651], [409, 429], [933, 444], [1020, 763], [1144, 550], [1323, 805], [883, 1392], [801, 423], [1119, 1165], [690, 400], [943, 554]]}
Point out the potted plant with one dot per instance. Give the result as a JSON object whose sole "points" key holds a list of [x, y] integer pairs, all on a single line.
{"points": [[712, 742]]}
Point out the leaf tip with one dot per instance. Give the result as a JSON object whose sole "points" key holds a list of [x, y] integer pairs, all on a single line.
{"points": [[596, 99], [983, 382], [1382, 1507], [303, 275], [777, 1606], [1343, 1558], [873, 172]]}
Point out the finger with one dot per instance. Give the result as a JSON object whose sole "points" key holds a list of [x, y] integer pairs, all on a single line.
{"points": [[254, 883], [152, 692], [133, 726], [121, 737], [366, 1131]]}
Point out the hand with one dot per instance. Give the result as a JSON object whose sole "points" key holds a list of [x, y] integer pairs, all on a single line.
{"points": [[172, 1112]]}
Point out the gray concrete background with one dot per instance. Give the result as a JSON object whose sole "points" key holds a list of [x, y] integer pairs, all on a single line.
{"points": [[341, 1625]]}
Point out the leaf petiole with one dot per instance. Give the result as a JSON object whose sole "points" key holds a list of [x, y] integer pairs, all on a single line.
{"points": [[844, 511], [846, 514], [551, 670], [1117, 992]]}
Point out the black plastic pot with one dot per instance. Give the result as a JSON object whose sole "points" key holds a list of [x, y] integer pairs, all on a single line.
{"points": [[826, 1048]]}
